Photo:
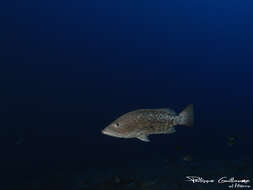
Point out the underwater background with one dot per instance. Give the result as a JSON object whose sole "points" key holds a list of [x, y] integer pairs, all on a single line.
{"points": [[69, 68]]}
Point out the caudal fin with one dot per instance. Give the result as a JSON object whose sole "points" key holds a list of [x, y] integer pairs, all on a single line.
{"points": [[186, 117]]}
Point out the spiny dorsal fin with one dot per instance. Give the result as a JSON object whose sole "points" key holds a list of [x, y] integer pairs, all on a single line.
{"points": [[168, 110], [143, 138]]}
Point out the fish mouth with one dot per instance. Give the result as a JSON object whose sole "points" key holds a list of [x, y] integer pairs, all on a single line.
{"points": [[105, 132], [113, 134]]}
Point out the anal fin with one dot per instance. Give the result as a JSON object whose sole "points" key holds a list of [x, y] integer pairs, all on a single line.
{"points": [[171, 130]]}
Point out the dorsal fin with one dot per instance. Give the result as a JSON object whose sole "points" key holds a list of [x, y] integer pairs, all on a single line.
{"points": [[168, 110]]}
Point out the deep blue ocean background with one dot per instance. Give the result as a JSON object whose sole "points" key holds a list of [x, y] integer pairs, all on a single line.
{"points": [[69, 68]]}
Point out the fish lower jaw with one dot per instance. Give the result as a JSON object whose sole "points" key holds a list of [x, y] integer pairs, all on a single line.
{"points": [[112, 135], [106, 133]]}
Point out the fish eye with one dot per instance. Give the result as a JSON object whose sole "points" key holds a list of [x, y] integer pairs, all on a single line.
{"points": [[116, 124]]}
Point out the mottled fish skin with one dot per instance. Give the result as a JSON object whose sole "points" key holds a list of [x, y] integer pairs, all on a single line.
{"points": [[156, 121], [143, 122]]}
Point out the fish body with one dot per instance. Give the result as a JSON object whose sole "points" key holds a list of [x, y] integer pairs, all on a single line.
{"points": [[144, 122]]}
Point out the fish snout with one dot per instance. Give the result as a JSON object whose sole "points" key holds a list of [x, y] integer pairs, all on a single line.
{"points": [[110, 132], [105, 132]]}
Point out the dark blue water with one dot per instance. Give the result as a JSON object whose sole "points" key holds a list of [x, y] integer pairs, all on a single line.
{"points": [[69, 68]]}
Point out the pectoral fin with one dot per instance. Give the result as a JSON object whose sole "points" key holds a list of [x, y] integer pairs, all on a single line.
{"points": [[143, 138]]}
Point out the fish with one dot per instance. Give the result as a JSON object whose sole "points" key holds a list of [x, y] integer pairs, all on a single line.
{"points": [[141, 123]]}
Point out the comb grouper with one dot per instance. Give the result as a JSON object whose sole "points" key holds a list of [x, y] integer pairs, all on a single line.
{"points": [[144, 122]]}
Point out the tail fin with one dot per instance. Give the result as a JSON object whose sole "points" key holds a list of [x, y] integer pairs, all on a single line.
{"points": [[186, 117]]}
